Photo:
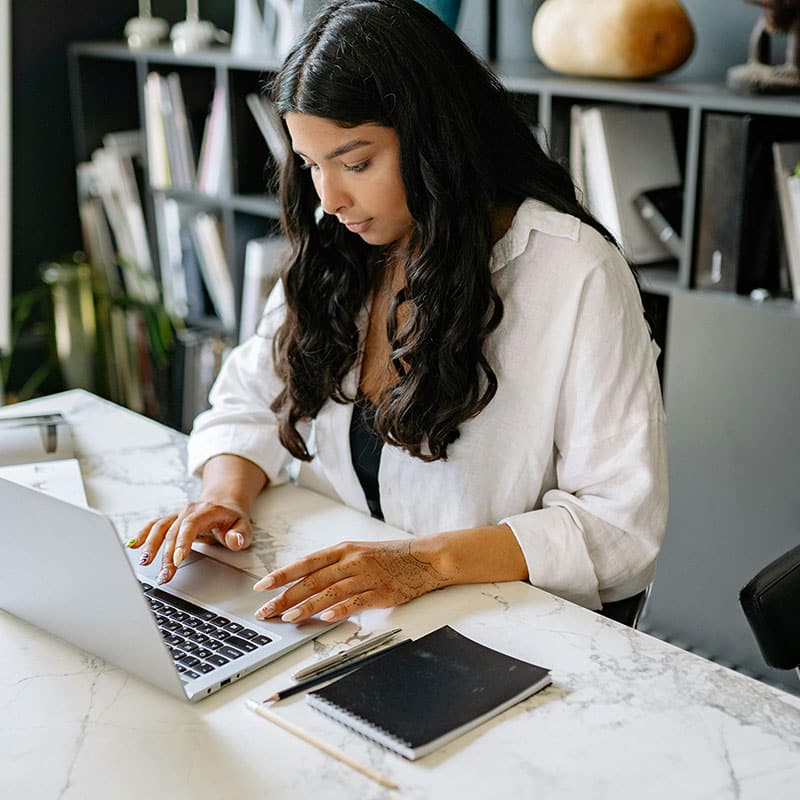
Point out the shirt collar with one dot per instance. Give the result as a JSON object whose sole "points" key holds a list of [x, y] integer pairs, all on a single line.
{"points": [[532, 215]]}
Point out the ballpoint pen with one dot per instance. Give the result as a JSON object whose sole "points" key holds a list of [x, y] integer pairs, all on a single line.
{"points": [[343, 656], [334, 672]]}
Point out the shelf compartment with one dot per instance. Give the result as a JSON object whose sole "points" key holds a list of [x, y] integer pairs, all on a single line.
{"points": [[97, 111], [255, 169]]}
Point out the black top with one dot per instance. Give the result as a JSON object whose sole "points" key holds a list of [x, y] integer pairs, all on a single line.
{"points": [[365, 452]]}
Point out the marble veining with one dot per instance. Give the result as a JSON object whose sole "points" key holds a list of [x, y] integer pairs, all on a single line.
{"points": [[626, 716]]}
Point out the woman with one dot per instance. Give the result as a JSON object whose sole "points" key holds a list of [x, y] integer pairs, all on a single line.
{"points": [[456, 346]]}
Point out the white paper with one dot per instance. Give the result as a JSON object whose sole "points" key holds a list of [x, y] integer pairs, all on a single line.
{"points": [[61, 478]]}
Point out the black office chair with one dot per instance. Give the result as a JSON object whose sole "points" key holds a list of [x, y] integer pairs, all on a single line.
{"points": [[771, 603], [627, 611]]}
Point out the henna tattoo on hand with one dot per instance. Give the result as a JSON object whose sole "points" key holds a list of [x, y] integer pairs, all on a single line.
{"points": [[411, 575]]}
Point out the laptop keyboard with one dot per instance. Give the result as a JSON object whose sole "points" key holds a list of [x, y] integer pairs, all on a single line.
{"points": [[199, 640]]}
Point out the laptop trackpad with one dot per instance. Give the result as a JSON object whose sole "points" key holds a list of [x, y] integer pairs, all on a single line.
{"points": [[220, 586]]}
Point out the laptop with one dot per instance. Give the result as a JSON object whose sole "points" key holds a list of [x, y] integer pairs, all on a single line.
{"points": [[65, 569]]}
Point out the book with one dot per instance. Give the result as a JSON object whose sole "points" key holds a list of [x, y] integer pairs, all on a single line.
{"points": [[185, 297], [126, 376], [576, 165], [198, 300], [270, 125], [38, 451], [425, 693], [126, 144], [212, 170], [185, 169], [170, 256], [171, 161], [627, 151], [198, 357], [214, 267], [721, 221], [158, 163], [737, 235], [177, 177], [263, 259], [662, 210], [97, 242], [794, 201], [786, 157], [114, 182], [142, 358]]}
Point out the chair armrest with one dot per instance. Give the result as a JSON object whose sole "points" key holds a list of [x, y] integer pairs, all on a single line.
{"points": [[771, 603]]}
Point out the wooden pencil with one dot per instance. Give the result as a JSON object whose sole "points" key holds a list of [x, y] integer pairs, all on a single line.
{"points": [[297, 731]]}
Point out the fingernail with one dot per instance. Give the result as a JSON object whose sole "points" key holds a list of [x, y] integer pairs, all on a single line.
{"points": [[236, 539], [144, 558], [265, 583], [327, 615], [163, 576], [291, 616], [265, 611], [130, 542], [177, 556]]}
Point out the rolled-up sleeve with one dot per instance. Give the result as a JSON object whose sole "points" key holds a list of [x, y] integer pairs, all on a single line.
{"points": [[597, 534], [240, 421]]}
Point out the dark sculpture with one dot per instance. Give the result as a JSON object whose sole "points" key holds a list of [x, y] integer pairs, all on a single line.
{"points": [[758, 74]]}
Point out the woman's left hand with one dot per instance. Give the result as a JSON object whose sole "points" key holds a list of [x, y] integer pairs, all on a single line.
{"points": [[351, 577]]}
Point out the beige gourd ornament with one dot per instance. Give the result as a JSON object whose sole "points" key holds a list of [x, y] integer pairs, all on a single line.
{"points": [[612, 38]]}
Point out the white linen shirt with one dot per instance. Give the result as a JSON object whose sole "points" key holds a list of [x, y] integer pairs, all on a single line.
{"points": [[570, 453]]}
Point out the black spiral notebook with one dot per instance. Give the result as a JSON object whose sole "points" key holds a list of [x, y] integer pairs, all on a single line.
{"points": [[424, 693]]}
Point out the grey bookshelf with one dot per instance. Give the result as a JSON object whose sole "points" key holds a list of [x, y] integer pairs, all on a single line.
{"points": [[687, 101], [731, 370], [107, 90]]}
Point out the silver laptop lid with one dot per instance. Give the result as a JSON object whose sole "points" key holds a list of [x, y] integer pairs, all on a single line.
{"points": [[64, 570]]}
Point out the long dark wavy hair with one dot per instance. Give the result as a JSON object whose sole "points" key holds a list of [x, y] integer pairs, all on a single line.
{"points": [[463, 147]]}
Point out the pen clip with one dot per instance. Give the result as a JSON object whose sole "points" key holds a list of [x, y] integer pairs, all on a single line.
{"points": [[342, 657], [335, 672]]}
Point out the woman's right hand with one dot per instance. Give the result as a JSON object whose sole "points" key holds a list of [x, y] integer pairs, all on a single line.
{"points": [[224, 522]]}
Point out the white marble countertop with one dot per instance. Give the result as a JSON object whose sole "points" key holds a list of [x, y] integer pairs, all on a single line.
{"points": [[626, 716]]}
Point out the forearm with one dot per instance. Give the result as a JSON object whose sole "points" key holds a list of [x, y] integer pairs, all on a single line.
{"points": [[231, 479], [489, 554], [352, 576]]}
